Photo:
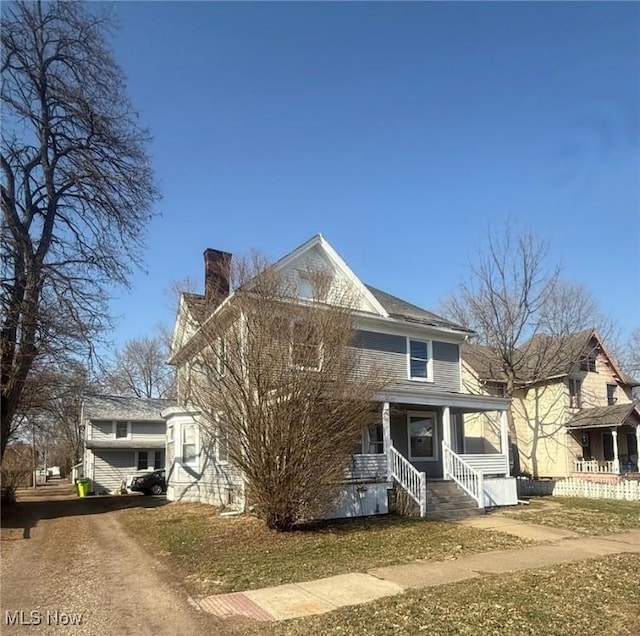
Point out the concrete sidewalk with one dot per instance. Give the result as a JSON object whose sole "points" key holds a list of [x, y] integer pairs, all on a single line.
{"points": [[324, 595]]}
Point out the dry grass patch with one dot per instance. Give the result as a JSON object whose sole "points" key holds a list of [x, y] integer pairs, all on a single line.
{"points": [[217, 554], [586, 516], [597, 596]]}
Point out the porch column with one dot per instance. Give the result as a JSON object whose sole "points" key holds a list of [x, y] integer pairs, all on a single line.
{"points": [[386, 436], [504, 439], [446, 438], [616, 461], [446, 425], [638, 448]]}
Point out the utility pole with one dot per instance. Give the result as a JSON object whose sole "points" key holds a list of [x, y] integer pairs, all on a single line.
{"points": [[33, 450]]}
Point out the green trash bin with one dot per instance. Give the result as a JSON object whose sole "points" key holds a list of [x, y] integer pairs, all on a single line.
{"points": [[84, 487]]}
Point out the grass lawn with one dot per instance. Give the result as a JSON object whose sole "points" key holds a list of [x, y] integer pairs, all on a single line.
{"points": [[598, 596], [215, 554], [586, 516]]}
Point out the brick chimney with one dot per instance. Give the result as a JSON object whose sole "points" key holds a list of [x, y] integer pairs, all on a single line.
{"points": [[217, 274]]}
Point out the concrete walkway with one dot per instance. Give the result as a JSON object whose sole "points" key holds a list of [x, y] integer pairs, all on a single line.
{"points": [[295, 600]]}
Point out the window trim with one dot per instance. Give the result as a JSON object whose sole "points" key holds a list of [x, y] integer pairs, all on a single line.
{"points": [[587, 361], [577, 383], [429, 360], [436, 442], [196, 458], [224, 461], [612, 396], [115, 429], [138, 459], [293, 343]]}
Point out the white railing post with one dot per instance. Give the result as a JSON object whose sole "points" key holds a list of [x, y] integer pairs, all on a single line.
{"points": [[481, 490], [504, 438], [423, 495], [386, 436], [616, 459]]}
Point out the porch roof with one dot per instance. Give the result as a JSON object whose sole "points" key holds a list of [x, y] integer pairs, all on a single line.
{"points": [[604, 417], [127, 444], [408, 393]]}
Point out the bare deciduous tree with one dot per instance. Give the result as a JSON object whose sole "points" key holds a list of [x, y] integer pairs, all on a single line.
{"points": [[505, 297], [77, 185], [532, 324], [283, 392], [140, 369]]}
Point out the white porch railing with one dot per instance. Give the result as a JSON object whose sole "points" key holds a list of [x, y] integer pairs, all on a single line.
{"points": [[411, 479], [465, 475], [595, 466]]}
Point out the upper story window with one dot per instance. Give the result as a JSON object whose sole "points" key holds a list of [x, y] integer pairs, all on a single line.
{"points": [[306, 347], [122, 430], [612, 398], [420, 360], [575, 387], [588, 362]]}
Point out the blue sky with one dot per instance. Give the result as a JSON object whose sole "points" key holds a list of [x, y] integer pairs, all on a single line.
{"points": [[400, 131]]}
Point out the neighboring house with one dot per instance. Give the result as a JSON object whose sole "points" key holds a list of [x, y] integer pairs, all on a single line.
{"points": [[419, 436], [122, 435], [572, 411]]}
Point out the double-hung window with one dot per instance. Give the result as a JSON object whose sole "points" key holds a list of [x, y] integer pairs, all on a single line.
{"points": [[171, 444], [189, 444], [306, 346], [122, 430], [420, 360], [143, 460], [575, 387]]}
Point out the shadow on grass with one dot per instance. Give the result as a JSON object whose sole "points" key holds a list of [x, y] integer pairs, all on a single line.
{"points": [[27, 514]]}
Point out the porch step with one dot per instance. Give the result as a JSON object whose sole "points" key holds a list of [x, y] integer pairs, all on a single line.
{"points": [[446, 500]]}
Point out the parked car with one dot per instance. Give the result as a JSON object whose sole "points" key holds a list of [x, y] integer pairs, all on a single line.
{"points": [[152, 483]]}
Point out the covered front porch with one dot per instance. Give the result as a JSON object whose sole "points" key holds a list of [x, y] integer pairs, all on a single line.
{"points": [[608, 439], [421, 436]]}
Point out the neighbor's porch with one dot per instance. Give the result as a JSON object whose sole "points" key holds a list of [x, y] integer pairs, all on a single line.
{"points": [[606, 451]]}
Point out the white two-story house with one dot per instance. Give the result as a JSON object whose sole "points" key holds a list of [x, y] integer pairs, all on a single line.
{"points": [[418, 438], [122, 436]]}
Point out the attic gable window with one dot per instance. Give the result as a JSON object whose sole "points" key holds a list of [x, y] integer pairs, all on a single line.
{"points": [[420, 360], [588, 362]]}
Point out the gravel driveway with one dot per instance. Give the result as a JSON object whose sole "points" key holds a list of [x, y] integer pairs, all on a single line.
{"points": [[66, 559]]}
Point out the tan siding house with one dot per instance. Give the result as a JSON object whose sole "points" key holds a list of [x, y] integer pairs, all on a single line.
{"points": [[576, 420]]}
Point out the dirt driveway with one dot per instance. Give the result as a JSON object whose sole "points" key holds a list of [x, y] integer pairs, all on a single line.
{"points": [[66, 560]]}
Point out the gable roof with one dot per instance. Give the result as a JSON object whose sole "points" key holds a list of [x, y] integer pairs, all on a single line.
{"points": [[542, 357], [403, 310], [603, 416], [483, 360], [382, 303], [196, 304], [545, 356], [113, 407]]}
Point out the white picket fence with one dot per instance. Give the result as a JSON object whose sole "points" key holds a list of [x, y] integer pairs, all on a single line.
{"points": [[628, 490]]}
